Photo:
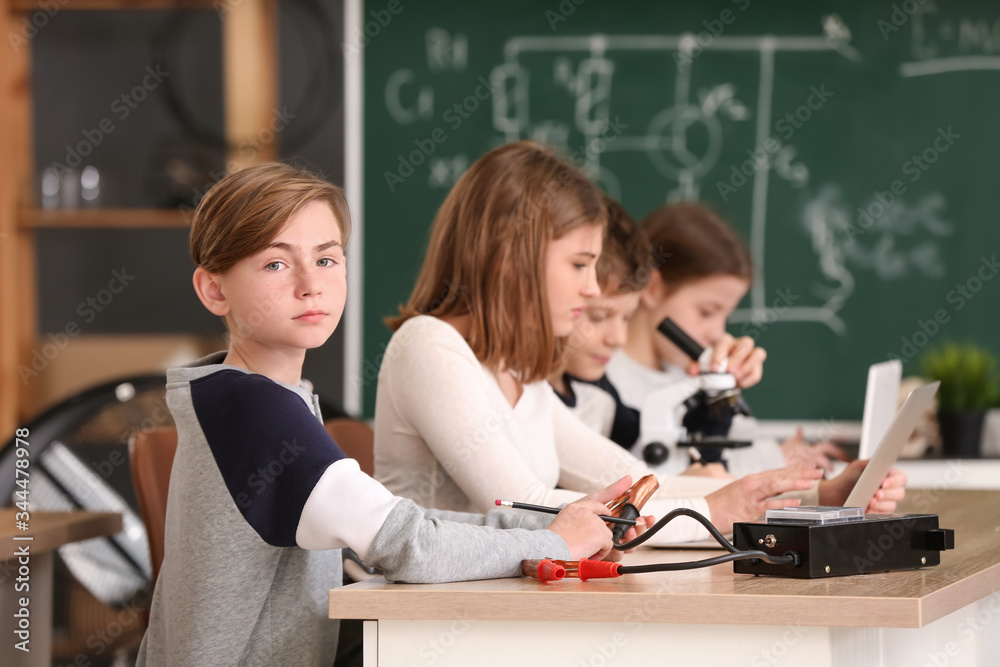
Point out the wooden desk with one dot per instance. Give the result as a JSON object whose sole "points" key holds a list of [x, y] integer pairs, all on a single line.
{"points": [[49, 531], [946, 615]]}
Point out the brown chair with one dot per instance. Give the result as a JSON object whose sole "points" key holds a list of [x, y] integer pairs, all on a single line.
{"points": [[356, 439], [151, 455]]}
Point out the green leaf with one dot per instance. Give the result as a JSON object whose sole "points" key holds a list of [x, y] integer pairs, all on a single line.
{"points": [[968, 375]]}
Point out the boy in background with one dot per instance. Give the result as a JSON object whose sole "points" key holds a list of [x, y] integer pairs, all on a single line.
{"points": [[623, 270]]}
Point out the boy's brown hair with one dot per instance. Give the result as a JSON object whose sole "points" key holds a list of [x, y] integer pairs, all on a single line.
{"points": [[690, 242], [488, 250], [246, 210], [626, 260]]}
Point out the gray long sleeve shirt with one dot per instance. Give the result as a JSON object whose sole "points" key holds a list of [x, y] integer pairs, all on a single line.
{"points": [[261, 500]]}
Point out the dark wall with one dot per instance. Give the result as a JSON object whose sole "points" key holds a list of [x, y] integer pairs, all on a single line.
{"points": [[138, 95]]}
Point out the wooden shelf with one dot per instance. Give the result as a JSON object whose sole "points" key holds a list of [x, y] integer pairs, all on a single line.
{"points": [[131, 218], [33, 6], [249, 61], [51, 530]]}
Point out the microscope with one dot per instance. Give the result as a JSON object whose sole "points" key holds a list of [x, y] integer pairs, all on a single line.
{"points": [[712, 400]]}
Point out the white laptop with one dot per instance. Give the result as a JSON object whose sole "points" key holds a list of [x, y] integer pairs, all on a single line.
{"points": [[881, 399]]}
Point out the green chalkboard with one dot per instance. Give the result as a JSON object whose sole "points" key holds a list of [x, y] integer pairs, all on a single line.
{"points": [[853, 144]]}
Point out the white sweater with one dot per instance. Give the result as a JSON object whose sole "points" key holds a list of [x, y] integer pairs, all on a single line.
{"points": [[446, 437]]}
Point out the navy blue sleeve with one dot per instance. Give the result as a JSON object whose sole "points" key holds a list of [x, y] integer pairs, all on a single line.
{"points": [[570, 400], [270, 448], [625, 428]]}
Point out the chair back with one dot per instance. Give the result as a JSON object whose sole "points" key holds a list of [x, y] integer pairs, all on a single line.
{"points": [[151, 454], [356, 439]]}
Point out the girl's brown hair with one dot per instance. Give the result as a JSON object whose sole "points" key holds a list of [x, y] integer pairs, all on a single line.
{"points": [[624, 265], [246, 210], [689, 241], [488, 249]]}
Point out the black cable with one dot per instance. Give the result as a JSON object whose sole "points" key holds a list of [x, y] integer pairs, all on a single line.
{"points": [[790, 558], [670, 516]]}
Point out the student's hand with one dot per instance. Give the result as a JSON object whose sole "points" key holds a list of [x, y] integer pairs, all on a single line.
{"points": [[742, 358], [715, 470], [891, 492], [748, 498], [580, 526], [835, 491], [822, 455]]}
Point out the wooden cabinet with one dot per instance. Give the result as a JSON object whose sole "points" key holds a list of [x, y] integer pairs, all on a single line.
{"points": [[250, 94]]}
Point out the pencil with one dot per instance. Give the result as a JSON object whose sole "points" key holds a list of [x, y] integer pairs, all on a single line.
{"points": [[555, 510]]}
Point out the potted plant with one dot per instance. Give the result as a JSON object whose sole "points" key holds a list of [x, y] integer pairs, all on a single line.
{"points": [[969, 387]]}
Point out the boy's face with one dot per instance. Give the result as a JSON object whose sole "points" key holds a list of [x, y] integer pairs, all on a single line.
{"points": [[700, 308], [290, 295], [601, 331]]}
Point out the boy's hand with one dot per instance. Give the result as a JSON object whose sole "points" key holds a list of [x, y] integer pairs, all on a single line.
{"points": [[748, 498], [741, 358], [580, 526]]}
